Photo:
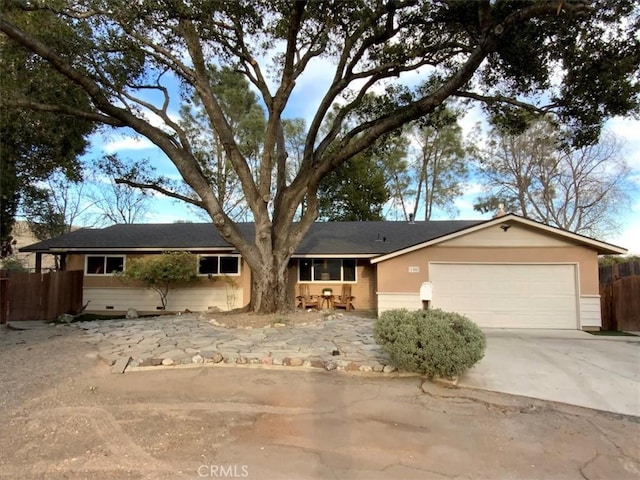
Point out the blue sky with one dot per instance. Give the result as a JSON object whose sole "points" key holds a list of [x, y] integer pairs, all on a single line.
{"points": [[303, 104]]}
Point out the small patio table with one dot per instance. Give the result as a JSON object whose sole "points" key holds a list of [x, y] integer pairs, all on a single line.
{"points": [[326, 300]]}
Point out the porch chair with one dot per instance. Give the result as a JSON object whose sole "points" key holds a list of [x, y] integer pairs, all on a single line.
{"points": [[305, 299], [344, 300]]}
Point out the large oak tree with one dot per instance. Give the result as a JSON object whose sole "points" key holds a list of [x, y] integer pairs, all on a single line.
{"points": [[582, 55]]}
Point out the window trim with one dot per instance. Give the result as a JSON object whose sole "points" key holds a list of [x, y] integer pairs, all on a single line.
{"points": [[104, 264], [236, 256], [335, 282]]}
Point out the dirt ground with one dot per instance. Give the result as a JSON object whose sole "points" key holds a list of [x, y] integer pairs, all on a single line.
{"points": [[64, 416]]}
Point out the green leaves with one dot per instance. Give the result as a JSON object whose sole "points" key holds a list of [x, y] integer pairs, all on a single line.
{"points": [[432, 342], [356, 191], [162, 272]]}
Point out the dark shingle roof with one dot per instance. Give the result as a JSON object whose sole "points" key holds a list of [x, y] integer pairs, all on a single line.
{"points": [[329, 238], [375, 237]]}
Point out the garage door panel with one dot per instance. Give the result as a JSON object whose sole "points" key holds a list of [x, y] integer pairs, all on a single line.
{"points": [[508, 295]]}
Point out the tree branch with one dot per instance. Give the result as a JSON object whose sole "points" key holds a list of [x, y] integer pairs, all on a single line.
{"points": [[157, 188], [64, 109], [502, 99]]}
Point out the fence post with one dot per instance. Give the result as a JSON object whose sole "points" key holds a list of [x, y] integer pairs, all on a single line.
{"points": [[4, 297]]}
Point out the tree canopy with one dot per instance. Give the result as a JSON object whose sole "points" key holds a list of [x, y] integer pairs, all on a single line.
{"points": [[36, 143], [576, 59], [355, 191]]}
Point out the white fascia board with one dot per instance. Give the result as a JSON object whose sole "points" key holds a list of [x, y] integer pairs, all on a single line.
{"points": [[143, 250], [601, 247], [333, 255]]}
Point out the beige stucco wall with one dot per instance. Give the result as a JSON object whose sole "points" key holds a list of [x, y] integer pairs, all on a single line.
{"points": [[364, 289], [107, 286], [394, 274]]}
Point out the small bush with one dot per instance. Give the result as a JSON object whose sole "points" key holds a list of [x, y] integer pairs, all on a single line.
{"points": [[432, 342]]}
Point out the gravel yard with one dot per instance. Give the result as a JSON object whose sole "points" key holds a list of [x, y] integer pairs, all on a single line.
{"points": [[36, 356]]}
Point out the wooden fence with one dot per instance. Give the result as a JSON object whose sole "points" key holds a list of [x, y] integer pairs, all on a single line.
{"points": [[620, 296], [39, 296]]}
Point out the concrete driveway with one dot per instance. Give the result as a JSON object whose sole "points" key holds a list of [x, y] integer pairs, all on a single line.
{"points": [[601, 372]]}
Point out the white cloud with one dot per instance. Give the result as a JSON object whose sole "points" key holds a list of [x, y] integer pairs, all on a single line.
{"points": [[120, 143], [471, 119], [627, 130]]}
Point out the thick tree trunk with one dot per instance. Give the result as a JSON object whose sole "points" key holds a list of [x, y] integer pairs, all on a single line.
{"points": [[269, 293]]}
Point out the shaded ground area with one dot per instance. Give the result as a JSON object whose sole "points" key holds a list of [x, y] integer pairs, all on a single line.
{"points": [[66, 416], [295, 317]]}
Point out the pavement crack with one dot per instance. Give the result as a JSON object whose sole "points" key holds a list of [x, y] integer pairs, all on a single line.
{"points": [[503, 409], [586, 464], [619, 449]]}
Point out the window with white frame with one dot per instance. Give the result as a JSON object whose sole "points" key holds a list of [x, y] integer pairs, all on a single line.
{"points": [[327, 270], [103, 264], [219, 265]]}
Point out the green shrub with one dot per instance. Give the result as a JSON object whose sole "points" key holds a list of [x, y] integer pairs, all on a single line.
{"points": [[162, 273], [13, 264], [431, 342]]}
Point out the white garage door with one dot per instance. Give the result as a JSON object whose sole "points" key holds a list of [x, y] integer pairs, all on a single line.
{"points": [[508, 295]]}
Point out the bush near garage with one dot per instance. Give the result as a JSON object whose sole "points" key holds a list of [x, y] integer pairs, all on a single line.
{"points": [[432, 342]]}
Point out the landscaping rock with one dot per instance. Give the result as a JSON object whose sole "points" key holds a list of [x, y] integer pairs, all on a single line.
{"points": [[377, 367], [296, 362], [151, 362], [167, 361], [131, 314], [330, 366], [197, 359], [217, 358], [317, 363], [65, 318], [352, 367], [120, 365], [389, 369]]}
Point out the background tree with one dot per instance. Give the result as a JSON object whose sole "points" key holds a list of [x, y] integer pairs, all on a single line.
{"points": [[501, 54], [400, 182], [56, 206], [115, 202], [539, 175], [355, 191], [440, 163], [118, 203], [430, 165], [35, 143], [246, 120], [162, 273]]}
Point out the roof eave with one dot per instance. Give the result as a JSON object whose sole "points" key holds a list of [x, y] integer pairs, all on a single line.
{"points": [[60, 250], [602, 248]]}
